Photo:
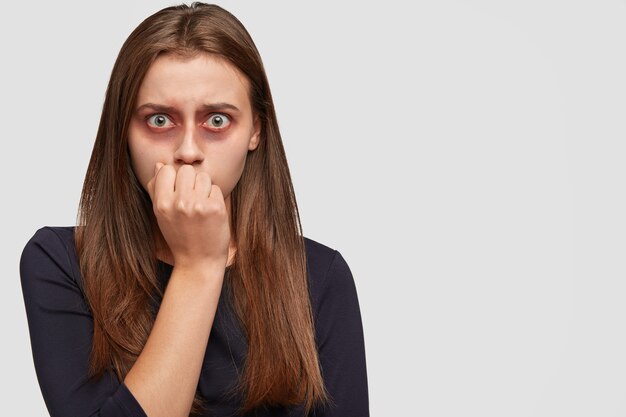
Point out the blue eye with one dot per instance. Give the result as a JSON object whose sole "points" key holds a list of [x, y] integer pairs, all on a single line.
{"points": [[219, 121], [159, 120]]}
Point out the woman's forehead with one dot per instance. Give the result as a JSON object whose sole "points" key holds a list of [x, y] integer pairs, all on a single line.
{"points": [[175, 81]]}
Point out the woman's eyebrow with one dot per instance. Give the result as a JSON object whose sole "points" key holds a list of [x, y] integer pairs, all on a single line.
{"points": [[203, 107]]}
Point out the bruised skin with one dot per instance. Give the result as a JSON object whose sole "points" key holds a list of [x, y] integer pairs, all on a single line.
{"points": [[202, 120]]}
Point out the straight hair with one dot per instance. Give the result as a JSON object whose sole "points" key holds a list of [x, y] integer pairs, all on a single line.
{"points": [[266, 285]]}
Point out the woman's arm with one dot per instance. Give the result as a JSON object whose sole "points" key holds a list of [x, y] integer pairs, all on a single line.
{"points": [[61, 327], [341, 343], [165, 376], [193, 218]]}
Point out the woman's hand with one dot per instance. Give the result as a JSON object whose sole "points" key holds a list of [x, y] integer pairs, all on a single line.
{"points": [[191, 214]]}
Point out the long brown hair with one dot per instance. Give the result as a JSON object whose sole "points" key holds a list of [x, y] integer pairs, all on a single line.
{"points": [[267, 284]]}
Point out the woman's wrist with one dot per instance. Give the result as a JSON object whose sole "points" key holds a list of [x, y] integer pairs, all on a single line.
{"points": [[201, 270]]}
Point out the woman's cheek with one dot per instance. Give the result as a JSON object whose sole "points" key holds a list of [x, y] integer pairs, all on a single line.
{"points": [[235, 169], [140, 164]]}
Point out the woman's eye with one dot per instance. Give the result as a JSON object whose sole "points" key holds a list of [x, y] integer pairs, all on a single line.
{"points": [[158, 120], [219, 121]]}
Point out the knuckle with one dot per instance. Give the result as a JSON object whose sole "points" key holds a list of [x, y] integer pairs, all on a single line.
{"points": [[182, 206], [216, 209], [162, 206], [201, 209]]}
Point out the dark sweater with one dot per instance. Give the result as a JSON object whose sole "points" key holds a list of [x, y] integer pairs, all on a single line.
{"points": [[61, 327]]}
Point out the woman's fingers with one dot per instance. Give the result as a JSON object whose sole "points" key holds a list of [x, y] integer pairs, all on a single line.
{"points": [[191, 214], [216, 194], [185, 179], [203, 184], [181, 190], [157, 167], [150, 185], [164, 183]]}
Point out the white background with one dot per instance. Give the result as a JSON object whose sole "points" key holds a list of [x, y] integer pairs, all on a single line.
{"points": [[465, 157]]}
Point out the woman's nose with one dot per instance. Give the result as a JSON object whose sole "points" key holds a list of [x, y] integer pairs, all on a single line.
{"points": [[189, 151]]}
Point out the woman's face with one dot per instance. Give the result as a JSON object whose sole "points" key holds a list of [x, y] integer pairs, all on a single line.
{"points": [[197, 112]]}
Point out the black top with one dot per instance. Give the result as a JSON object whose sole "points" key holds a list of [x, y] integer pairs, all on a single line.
{"points": [[61, 327]]}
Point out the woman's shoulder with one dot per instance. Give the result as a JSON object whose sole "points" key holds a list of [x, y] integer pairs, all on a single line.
{"points": [[54, 234], [328, 271], [53, 239], [50, 254], [319, 256]]}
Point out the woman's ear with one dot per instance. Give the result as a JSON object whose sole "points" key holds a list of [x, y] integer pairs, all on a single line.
{"points": [[256, 134]]}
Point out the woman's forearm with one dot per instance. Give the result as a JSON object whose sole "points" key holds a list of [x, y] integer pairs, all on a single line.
{"points": [[165, 376]]}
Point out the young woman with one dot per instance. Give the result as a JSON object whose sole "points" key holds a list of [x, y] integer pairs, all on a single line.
{"points": [[187, 285]]}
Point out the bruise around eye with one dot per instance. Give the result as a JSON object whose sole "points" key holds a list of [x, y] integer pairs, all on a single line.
{"points": [[219, 120], [159, 120]]}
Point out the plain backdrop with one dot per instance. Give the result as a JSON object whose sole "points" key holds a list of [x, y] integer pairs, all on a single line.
{"points": [[465, 157]]}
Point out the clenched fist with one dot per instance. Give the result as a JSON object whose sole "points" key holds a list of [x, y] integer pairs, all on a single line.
{"points": [[191, 214]]}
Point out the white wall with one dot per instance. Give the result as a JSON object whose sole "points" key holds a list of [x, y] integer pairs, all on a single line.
{"points": [[466, 158]]}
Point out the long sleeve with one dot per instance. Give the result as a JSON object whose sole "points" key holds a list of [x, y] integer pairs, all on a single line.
{"points": [[341, 343], [61, 328]]}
